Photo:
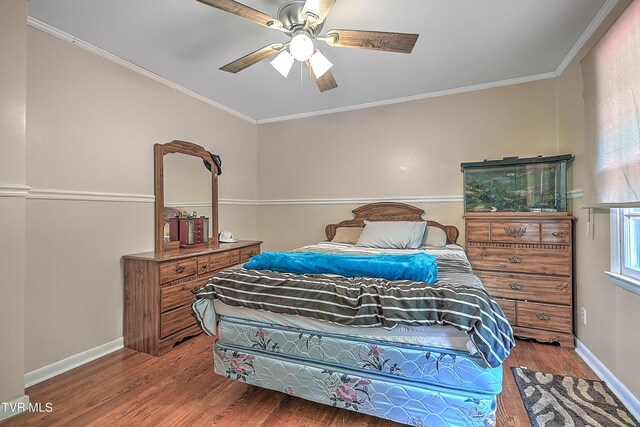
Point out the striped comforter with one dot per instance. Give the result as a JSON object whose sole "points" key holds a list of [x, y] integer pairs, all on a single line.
{"points": [[457, 299]]}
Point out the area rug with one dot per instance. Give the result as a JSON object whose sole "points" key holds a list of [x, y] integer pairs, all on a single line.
{"points": [[559, 401]]}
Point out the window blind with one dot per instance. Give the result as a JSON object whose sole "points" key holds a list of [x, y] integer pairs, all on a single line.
{"points": [[611, 74]]}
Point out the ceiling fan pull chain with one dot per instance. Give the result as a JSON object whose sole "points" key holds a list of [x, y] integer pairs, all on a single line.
{"points": [[301, 77]]}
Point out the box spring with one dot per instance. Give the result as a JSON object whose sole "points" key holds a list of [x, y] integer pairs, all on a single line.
{"points": [[408, 384]]}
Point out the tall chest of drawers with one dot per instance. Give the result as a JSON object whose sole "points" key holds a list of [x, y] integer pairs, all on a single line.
{"points": [[525, 261], [159, 289]]}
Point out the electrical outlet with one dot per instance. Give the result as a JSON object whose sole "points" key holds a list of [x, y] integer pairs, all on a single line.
{"points": [[584, 315]]}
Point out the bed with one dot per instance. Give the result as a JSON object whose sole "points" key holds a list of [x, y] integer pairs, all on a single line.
{"points": [[418, 354]]}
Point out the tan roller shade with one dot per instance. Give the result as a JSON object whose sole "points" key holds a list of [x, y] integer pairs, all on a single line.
{"points": [[611, 73]]}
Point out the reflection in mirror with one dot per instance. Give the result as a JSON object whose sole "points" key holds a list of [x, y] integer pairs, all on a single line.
{"points": [[187, 200]]}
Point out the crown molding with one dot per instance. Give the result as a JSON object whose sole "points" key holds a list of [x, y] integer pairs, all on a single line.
{"points": [[455, 91], [43, 26], [14, 190], [604, 11]]}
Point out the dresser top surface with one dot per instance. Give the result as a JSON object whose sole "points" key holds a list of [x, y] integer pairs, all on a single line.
{"points": [[188, 253], [518, 215]]}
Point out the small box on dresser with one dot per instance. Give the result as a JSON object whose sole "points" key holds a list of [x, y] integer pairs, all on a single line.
{"points": [[159, 289], [525, 261]]}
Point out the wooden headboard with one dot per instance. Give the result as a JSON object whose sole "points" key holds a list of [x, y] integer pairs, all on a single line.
{"points": [[387, 211]]}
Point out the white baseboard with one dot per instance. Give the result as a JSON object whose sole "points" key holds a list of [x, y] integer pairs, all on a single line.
{"points": [[64, 365], [15, 407], [623, 393]]}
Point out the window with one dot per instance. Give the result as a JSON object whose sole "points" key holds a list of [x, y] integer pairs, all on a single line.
{"points": [[630, 242], [625, 249]]}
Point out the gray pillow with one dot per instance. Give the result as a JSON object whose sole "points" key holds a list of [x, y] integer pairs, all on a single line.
{"points": [[392, 234]]}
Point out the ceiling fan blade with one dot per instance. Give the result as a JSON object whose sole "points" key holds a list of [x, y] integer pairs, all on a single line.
{"points": [[253, 58], [375, 40], [244, 11], [325, 82], [319, 8]]}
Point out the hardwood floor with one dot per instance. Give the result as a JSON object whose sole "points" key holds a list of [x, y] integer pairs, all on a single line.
{"points": [[127, 388]]}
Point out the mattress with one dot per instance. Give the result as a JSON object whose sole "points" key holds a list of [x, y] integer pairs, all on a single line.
{"points": [[447, 314], [431, 336]]}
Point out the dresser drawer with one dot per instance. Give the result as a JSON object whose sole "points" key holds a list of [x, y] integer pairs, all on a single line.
{"points": [[247, 253], [478, 231], [527, 287], [520, 260], [178, 295], [556, 232], [176, 270], [218, 261], [176, 320], [509, 309], [544, 316], [515, 232]]}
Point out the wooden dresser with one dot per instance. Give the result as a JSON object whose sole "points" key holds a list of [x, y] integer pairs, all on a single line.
{"points": [[525, 262], [159, 289]]}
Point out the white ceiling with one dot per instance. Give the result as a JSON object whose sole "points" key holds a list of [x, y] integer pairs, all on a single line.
{"points": [[462, 43]]}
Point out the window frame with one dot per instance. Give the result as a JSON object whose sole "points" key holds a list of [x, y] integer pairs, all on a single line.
{"points": [[624, 270], [619, 274]]}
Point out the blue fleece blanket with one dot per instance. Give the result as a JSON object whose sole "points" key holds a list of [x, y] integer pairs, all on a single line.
{"points": [[418, 267]]}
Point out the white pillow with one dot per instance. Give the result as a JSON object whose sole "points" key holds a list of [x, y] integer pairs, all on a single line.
{"points": [[392, 234], [434, 236]]}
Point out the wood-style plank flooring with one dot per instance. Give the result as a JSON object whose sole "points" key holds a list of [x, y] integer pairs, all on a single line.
{"points": [[127, 388]]}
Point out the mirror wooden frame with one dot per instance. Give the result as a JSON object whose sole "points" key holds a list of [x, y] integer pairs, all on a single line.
{"points": [[190, 149]]}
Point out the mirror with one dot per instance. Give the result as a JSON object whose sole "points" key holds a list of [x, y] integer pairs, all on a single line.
{"points": [[186, 196]]}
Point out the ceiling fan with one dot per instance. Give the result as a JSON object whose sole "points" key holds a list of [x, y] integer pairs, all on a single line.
{"points": [[302, 21]]}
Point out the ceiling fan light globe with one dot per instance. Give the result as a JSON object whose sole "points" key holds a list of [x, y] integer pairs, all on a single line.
{"points": [[319, 64], [301, 47], [283, 63]]}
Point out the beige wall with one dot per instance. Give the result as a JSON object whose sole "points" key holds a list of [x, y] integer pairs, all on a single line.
{"points": [[612, 313], [403, 150], [13, 92], [91, 126], [284, 227]]}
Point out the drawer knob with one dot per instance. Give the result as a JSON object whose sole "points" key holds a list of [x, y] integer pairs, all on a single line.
{"points": [[196, 290], [515, 286], [560, 234], [515, 231], [543, 316], [483, 254], [179, 269], [252, 254], [515, 259], [204, 266]]}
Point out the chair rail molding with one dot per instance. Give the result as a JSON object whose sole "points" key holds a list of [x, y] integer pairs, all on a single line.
{"points": [[361, 201], [14, 190], [50, 194]]}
